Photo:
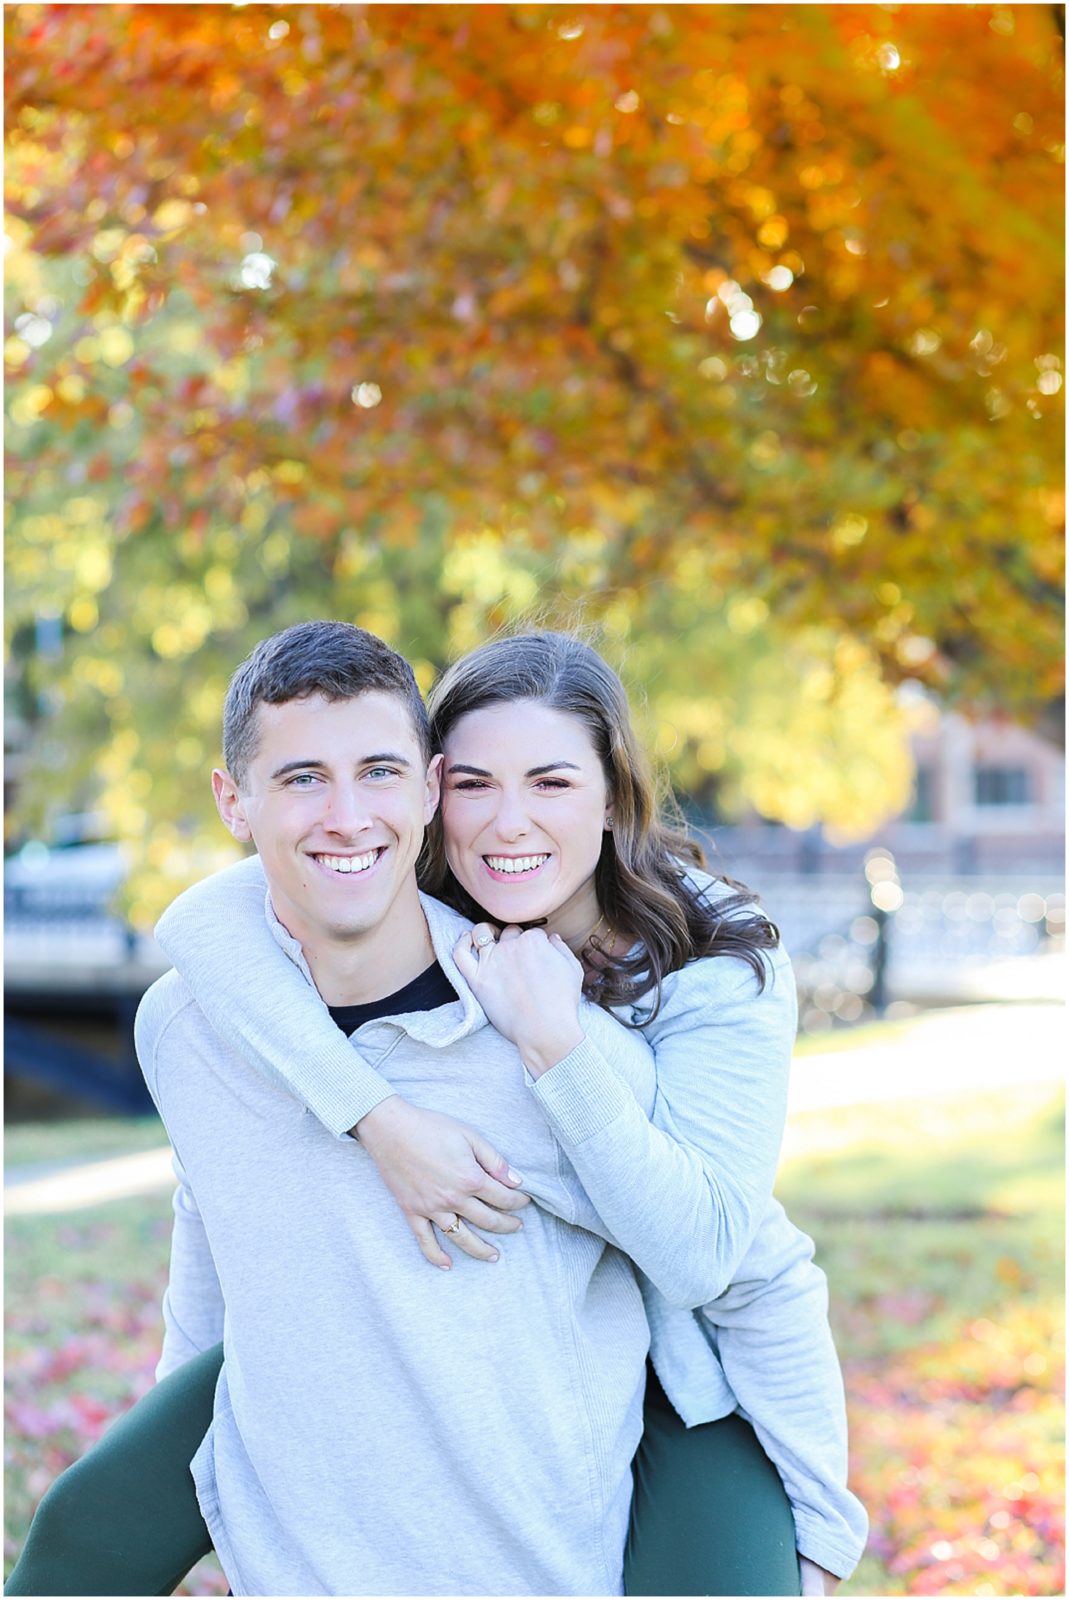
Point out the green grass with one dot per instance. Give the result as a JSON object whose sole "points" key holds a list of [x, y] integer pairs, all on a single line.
{"points": [[833, 1040], [83, 1325], [1001, 1151], [940, 1224], [30, 1143]]}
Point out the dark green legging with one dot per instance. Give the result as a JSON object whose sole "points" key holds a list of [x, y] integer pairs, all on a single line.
{"points": [[709, 1515]]}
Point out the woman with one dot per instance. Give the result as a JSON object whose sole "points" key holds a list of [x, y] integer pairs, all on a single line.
{"points": [[549, 819]]}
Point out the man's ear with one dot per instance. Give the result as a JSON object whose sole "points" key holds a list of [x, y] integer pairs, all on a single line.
{"points": [[434, 787], [230, 805]]}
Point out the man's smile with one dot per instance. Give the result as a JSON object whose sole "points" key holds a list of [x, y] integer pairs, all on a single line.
{"points": [[346, 866]]}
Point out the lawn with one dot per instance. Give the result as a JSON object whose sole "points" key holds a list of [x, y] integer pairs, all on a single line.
{"points": [[83, 1325], [939, 1223]]}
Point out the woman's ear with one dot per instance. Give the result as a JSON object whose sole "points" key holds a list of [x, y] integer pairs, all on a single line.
{"points": [[434, 787]]}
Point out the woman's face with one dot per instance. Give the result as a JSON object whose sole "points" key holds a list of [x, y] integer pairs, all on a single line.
{"points": [[524, 805]]}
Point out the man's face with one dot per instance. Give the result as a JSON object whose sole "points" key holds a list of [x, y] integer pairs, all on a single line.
{"points": [[336, 800]]}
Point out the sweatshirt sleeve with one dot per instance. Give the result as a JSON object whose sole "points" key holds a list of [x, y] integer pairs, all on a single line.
{"points": [[260, 1003], [683, 1193], [776, 1349], [193, 1310]]}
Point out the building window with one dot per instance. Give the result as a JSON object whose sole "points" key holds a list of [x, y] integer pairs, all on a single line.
{"points": [[1002, 786], [920, 808]]}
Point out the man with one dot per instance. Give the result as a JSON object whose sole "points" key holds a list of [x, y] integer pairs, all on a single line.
{"points": [[379, 1429]]}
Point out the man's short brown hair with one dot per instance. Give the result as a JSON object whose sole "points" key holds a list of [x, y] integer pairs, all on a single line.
{"points": [[334, 659]]}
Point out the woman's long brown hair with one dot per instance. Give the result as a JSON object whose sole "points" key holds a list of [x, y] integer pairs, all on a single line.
{"points": [[641, 877]]}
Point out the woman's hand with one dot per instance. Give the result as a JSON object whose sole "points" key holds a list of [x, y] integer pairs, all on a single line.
{"points": [[815, 1580], [441, 1171], [529, 984]]}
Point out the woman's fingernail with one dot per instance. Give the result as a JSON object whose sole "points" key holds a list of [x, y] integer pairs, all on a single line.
{"points": [[495, 1257], [514, 1177]]}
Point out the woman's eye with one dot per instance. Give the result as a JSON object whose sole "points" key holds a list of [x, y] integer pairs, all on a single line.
{"points": [[470, 783], [552, 783]]}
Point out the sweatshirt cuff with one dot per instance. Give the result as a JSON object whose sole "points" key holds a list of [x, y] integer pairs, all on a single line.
{"points": [[581, 1094], [339, 1107], [817, 1543]]}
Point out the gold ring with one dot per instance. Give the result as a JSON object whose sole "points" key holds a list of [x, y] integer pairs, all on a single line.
{"points": [[455, 1228]]}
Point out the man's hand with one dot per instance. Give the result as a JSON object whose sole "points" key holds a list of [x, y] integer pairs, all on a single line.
{"points": [[440, 1171], [815, 1580]]}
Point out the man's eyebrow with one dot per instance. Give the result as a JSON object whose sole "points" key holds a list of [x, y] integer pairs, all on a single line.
{"points": [[394, 757], [297, 766], [532, 772], [391, 756]]}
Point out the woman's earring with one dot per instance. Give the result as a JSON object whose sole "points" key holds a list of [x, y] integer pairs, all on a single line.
{"points": [[608, 824]]}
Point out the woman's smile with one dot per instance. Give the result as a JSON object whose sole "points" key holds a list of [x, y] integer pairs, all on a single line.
{"points": [[515, 868]]}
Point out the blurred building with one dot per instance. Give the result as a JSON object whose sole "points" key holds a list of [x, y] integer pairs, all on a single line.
{"points": [[958, 899], [988, 799]]}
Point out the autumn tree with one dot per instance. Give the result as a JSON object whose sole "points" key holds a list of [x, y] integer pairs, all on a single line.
{"points": [[417, 314]]}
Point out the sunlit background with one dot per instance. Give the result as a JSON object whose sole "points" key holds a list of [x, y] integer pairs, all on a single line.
{"points": [[733, 333]]}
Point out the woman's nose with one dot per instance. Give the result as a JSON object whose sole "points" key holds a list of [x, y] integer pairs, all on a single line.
{"points": [[512, 820]]}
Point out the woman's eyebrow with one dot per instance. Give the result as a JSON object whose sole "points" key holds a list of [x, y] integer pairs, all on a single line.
{"points": [[532, 772]]}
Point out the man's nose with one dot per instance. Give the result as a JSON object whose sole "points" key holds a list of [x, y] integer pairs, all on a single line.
{"points": [[347, 810]]}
